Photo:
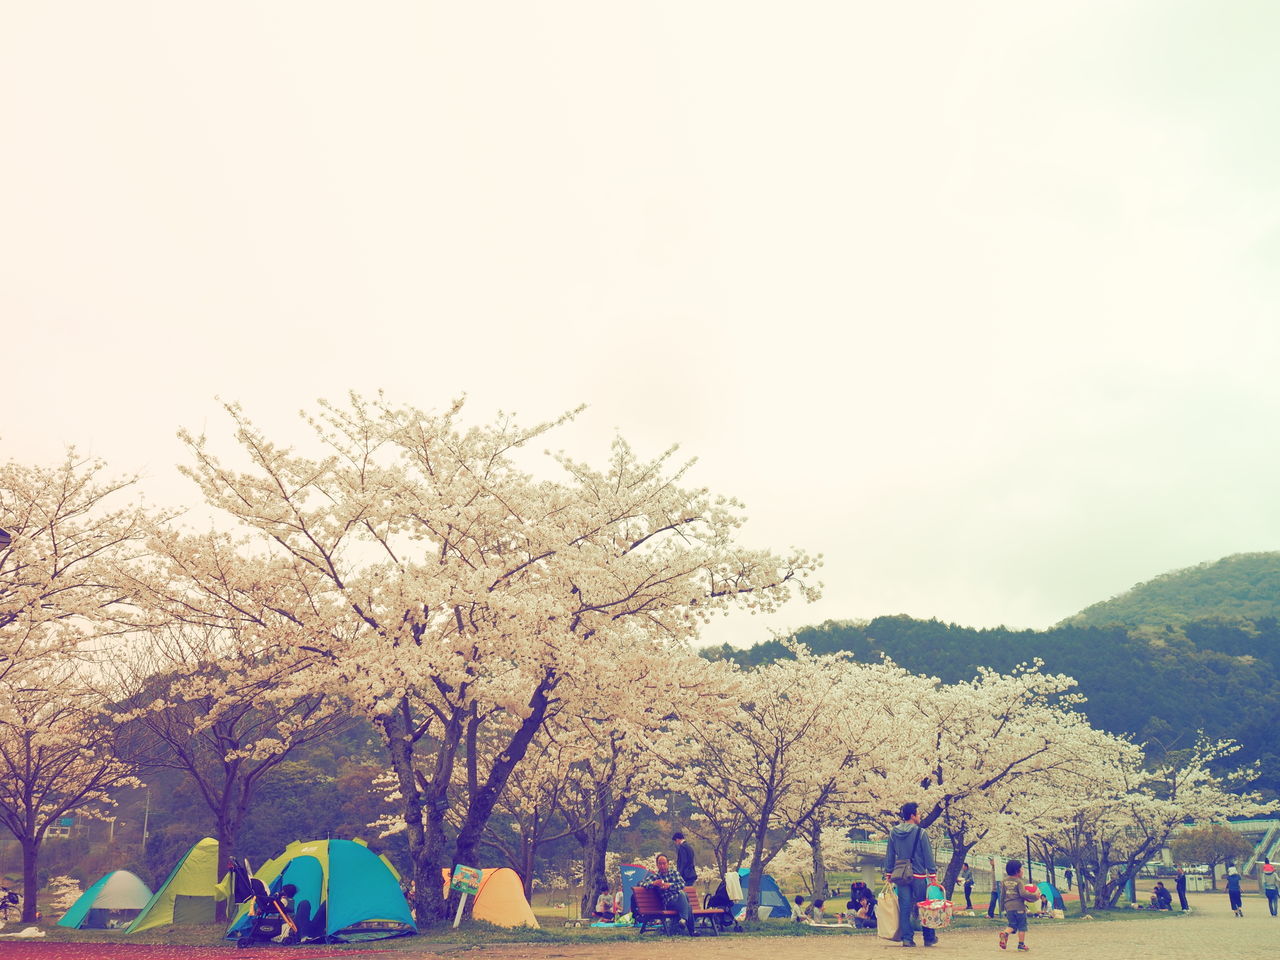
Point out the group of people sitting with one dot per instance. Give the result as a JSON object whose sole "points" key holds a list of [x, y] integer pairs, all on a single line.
{"points": [[608, 906], [860, 911]]}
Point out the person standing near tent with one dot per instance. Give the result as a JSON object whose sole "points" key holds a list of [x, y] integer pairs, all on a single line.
{"points": [[1180, 883], [684, 860], [1068, 874], [670, 886], [909, 853]]}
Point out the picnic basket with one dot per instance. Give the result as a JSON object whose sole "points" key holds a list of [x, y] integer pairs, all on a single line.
{"points": [[935, 914]]}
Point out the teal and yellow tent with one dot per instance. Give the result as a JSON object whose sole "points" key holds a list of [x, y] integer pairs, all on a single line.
{"points": [[344, 891]]}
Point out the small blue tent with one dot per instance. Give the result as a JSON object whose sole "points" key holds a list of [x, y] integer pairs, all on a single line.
{"points": [[770, 895], [342, 884]]}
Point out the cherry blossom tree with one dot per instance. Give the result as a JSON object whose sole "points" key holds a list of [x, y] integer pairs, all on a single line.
{"points": [[787, 746], [985, 749], [1127, 810], [57, 757], [437, 586], [621, 737], [207, 702], [809, 856], [62, 530]]}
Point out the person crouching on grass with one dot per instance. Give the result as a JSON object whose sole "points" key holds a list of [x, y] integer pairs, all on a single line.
{"points": [[1014, 898]]}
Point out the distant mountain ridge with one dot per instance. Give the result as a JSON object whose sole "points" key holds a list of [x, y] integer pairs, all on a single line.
{"points": [[1244, 586], [1194, 649]]}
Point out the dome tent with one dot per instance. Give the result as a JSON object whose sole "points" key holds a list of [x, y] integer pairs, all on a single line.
{"points": [[340, 884], [499, 899], [117, 890]]}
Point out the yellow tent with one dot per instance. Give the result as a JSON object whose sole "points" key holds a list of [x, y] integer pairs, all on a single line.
{"points": [[189, 894], [500, 898], [501, 901]]}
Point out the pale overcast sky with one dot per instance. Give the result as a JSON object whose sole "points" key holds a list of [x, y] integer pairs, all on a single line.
{"points": [[977, 299]]}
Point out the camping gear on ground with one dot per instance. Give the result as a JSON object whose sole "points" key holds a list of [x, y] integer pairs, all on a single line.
{"points": [[118, 890], [903, 871], [935, 914], [887, 914], [345, 892], [190, 892]]}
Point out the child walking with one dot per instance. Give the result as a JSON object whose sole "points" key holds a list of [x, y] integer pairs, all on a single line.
{"points": [[1014, 900]]}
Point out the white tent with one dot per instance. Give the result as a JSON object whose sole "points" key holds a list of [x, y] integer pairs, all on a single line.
{"points": [[118, 890]]}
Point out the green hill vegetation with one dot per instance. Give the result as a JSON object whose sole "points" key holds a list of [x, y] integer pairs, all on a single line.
{"points": [[1245, 586], [1208, 657]]}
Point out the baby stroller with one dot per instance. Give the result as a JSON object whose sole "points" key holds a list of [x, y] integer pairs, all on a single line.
{"points": [[8, 900], [269, 914], [721, 901]]}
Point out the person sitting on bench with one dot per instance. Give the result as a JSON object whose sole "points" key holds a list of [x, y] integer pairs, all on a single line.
{"points": [[670, 886]]}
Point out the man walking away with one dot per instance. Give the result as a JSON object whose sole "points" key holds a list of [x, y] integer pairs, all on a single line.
{"points": [[1270, 886], [908, 842], [684, 859], [1067, 873]]}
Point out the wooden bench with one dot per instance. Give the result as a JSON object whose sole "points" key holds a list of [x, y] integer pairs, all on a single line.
{"points": [[648, 912]]}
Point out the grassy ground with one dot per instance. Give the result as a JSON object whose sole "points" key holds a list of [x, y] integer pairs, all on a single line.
{"points": [[476, 934]]}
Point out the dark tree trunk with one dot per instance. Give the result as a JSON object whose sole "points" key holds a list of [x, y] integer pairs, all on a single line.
{"points": [[609, 810], [819, 864], [30, 883], [959, 853], [757, 865], [426, 836], [482, 801]]}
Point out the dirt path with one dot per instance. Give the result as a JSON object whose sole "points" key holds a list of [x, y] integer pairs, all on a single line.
{"points": [[1210, 932]]}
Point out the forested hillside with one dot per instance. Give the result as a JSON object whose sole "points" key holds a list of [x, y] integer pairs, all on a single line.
{"points": [[1245, 586], [1161, 684]]}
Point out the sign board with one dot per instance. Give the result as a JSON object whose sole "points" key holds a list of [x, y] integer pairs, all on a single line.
{"points": [[466, 879]]}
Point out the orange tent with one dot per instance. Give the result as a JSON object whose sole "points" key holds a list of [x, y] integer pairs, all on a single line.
{"points": [[500, 898]]}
